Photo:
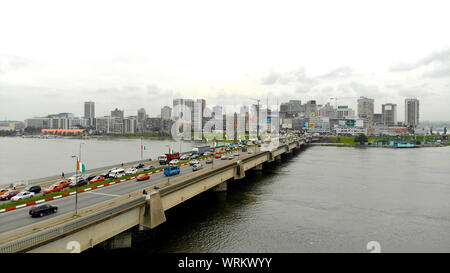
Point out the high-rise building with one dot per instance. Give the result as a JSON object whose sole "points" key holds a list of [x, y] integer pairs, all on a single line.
{"points": [[366, 110], [412, 112], [117, 113], [89, 112], [389, 111], [166, 112], [344, 112], [141, 115]]}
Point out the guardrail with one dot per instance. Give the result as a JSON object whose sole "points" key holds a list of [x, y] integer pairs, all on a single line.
{"points": [[48, 234]]}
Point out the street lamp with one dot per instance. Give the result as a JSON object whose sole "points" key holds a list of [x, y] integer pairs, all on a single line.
{"points": [[76, 183]]}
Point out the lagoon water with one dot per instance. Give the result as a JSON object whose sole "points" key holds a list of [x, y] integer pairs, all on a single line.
{"points": [[324, 199]]}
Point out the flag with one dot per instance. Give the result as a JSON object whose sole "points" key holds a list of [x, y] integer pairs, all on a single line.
{"points": [[170, 151], [143, 147], [81, 167], [214, 143]]}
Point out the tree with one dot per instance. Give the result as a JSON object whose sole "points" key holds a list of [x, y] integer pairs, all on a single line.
{"points": [[361, 139]]}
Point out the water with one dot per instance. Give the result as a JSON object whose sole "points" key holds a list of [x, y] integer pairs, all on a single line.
{"points": [[325, 199], [31, 158]]}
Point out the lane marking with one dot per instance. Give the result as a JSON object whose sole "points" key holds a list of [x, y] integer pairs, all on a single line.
{"points": [[107, 194]]}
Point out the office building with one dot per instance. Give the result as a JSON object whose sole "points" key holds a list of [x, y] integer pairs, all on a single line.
{"points": [[389, 111], [412, 112]]}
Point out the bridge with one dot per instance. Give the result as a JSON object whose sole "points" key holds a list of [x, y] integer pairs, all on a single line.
{"points": [[109, 214]]}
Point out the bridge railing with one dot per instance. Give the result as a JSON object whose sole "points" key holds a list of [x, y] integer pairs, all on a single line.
{"points": [[50, 233]]}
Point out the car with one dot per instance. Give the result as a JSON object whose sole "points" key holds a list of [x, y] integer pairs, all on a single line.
{"points": [[116, 173], [184, 157], [209, 161], [34, 188], [53, 188], [224, 157], [42, 210], [193, 162], [104, 174], [244, 149], [236, 154], [230, 157], [148, 168], [8, 195], [218, 156], [142, 177], [130, 171], [22, 195], [250, 152], [78, 183], [65, 183], [3, 191], [139, 165], [195, 156], [174, 161], [89, 177], [97, 179], [197, 167], [206, 154]]}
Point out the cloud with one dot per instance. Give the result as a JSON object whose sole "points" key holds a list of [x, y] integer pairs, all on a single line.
{"points": [[422, 90], [293, 76], [436, 65], [9, 63], [341, 72]]}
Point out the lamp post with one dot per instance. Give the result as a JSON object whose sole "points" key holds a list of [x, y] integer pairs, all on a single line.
{"points": [[76, 189]]}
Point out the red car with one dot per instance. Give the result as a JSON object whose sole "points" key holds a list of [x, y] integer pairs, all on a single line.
{"points": [[8, 195], [54, 188], [217, 156], [97, 179], [142, 177]]}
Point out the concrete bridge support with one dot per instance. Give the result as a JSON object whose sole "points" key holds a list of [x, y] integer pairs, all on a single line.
{"points": [[122, 240], [222, 187], [152, 214], [259, 167], [239, 172], [278, 158]]}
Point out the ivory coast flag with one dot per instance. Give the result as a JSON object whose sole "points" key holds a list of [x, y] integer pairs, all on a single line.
{"points": [[170, 151], [214, 143], [81, 167]]}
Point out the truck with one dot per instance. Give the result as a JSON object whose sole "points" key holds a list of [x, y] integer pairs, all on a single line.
{"points": [[164, 159], [201, 150], [171, 170]]}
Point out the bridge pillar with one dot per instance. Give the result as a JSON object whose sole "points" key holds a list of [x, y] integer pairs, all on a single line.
{"points": [[153, 213], [122, 240], [221, 187], [278, 158], [259, 167], [239, 172]]}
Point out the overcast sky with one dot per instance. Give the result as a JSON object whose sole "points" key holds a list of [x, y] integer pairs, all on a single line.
{"points": [[54, 55]]}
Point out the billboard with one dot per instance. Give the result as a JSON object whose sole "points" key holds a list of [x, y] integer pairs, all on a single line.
{"points": [[342, 123], [305, 124], [311, 125], [350, 123]]}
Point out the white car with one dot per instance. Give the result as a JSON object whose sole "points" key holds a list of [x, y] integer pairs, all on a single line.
{"points": [[174, 161], [193, 162], [22, 195], [184, 157], [131, 171]]}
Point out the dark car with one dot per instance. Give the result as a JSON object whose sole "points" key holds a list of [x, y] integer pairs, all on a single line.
{"points": [[90, 177], [139, 165], [42, 210], [34, 188], [8, 195], [78, 184], [209, 161]]}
